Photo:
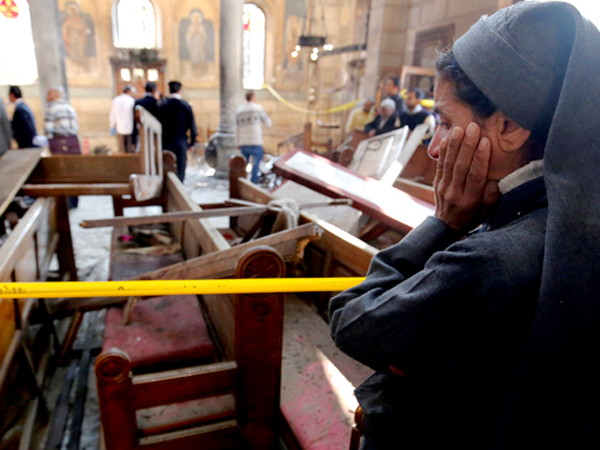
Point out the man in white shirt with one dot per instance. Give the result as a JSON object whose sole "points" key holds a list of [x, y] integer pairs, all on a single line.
{"points": [[121, 119], [249, 118]]}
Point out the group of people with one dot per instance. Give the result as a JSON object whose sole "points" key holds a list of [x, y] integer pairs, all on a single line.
{"points": [[392, 113], [60, 123], [174, 113]]}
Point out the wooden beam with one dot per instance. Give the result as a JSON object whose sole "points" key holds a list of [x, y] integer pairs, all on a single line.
{"points": [[216, 436], [172, 217], [15, 168], [75, 189], [214, 212], [180, 385], [215, 265]]}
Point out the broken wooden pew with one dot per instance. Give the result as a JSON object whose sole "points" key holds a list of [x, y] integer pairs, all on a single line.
{"points": [[25, 255], [317, 402], [229, 403]]}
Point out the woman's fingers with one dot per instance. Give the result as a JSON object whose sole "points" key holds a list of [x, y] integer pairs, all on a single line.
{"points": [[463, 164], [439, 172], [477, 172], [454, 144]]}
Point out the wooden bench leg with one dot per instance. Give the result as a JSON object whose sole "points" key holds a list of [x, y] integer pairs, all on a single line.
{"points": [[115, 395], [66, 257], [357, 429], [258, 350]]}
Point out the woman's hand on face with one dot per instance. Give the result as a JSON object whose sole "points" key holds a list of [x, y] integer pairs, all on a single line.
{"points": [[463, 193]]}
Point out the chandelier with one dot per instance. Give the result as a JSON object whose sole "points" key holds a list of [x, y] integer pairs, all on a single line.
{"points": [[314, 31]]}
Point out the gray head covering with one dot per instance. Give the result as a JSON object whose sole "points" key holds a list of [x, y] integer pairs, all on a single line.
{"points": [[389, 104], [539, 63]]}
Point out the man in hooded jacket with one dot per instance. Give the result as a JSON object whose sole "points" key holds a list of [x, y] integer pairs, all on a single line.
{"points": [[482, 323]]}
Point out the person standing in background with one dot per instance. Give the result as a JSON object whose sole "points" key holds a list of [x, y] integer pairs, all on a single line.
{"points": [[150, 103], [177, 118], [5, 129], [23, 123], [249, 119], [392, 91], [60, 123], [61, 127], [121, 119]]}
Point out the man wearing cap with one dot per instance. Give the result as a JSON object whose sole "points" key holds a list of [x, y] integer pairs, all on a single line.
{"points": [[482, 323]]}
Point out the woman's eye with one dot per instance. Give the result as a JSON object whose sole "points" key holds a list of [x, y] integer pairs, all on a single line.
{"points": [[445, 125]]}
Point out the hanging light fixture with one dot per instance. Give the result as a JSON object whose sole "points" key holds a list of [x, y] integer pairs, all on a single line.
{"points": [[314, 31]]}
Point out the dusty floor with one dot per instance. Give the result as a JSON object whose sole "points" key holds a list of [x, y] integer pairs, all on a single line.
{"points": [[92, 248]]}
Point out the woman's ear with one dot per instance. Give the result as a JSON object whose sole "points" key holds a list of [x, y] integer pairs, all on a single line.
{"points": [[511, 136]]}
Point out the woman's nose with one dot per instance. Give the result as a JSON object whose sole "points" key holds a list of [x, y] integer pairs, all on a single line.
{"points": [[434, 147]]}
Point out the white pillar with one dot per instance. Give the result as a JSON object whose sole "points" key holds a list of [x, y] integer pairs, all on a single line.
{"points": [[49, 45], [231, 78]]}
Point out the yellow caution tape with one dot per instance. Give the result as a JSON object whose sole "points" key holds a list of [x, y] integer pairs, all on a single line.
{"points": [[69, 289], [278, 96]]}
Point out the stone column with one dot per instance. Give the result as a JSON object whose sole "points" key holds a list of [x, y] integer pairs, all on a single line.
{"points": [[231, 79], [49, 45], [376, 20]]}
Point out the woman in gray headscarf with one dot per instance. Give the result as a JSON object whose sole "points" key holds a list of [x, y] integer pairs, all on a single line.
{"points": [[492, 341]]}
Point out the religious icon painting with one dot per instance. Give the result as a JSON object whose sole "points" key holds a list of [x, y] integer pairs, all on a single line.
{"points": [[197, 45], [9, 9]]}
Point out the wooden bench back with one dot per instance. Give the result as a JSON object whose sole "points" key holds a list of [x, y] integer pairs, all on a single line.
{"points": [[253, 376]]}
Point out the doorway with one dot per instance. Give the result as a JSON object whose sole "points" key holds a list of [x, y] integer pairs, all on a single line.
{"points": [[138, 74]]}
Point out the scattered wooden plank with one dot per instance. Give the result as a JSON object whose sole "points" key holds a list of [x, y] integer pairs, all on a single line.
{"points": [[187, 215], [75, 189], [172, 217], [15, 168]]}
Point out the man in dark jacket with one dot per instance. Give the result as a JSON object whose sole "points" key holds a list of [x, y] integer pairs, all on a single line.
{"points": [[23, 123], [482, 323], [150, 99], [177, 119], [149, 102], [385, 121]]}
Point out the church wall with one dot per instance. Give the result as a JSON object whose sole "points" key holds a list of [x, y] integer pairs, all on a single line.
{"points": [[395, 27], [400, 26]]}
